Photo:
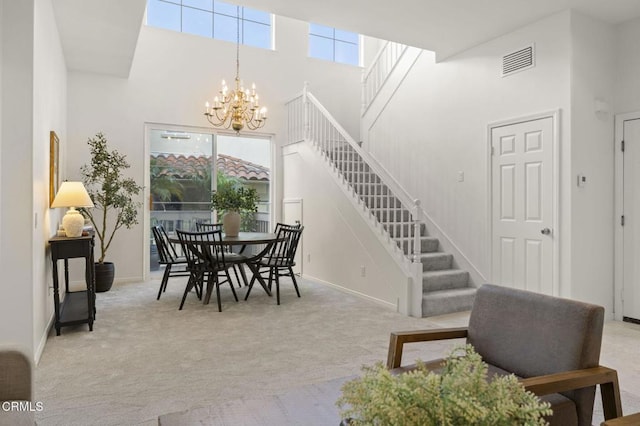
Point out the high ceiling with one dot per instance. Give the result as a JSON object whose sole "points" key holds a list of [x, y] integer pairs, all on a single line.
{"points": [[100, 35]]}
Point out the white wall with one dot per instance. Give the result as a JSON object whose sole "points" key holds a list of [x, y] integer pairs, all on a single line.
{"points": [[457, 98], [16, 229], [627, 83], [337, 242], [171, 77], [49, 113], [33, 103], [592, 150], [436, 125]]}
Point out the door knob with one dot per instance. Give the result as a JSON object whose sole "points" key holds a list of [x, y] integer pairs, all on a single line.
{"points": [[545, 231]]}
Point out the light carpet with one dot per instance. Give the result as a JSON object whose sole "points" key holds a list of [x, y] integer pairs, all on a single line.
{"points": [[145, 358]]}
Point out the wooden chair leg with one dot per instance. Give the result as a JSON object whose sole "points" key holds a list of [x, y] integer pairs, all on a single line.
{"points": [[209, 289], [187, 289], [611, 403], [243, 274], [163, 283], [217, 283], [277, 286], [167, 271], [197, 284], [270, 278], [253, 280], [233, 290], [293, 278], [235, 272]]}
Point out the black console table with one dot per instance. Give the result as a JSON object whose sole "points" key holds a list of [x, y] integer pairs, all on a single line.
{"points": [[78, 307]]}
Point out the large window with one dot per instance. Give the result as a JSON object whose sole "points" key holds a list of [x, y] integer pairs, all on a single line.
{"points": [[334, 45], [212, 18], [184, 167]]}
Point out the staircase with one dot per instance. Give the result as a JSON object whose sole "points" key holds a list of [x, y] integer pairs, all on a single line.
{"points": [[438, 287], [445, 289]]}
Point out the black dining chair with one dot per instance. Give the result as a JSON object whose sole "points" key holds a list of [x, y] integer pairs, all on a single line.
{"points": [[236, 260], [168, 257], [280, 259], [206, 263], [204, 227], [279, 225]]}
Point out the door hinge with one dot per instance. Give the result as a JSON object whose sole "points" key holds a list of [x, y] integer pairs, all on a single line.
{"points": [[622, 220], [622, 146]]}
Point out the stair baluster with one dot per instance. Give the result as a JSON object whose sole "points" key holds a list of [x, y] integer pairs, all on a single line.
{"points": [[397, 216]]}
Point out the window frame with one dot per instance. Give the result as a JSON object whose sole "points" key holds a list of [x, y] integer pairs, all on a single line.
{"points": [[334, 40], [240, 15]]}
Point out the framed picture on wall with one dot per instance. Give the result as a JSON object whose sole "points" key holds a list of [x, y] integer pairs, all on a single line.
{"points": [[54, 166]]}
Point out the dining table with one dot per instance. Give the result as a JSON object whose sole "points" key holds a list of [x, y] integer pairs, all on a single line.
{"points": [[245, 239]]}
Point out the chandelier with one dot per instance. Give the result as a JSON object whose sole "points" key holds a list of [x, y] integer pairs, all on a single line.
{"points": [[239, 107]]}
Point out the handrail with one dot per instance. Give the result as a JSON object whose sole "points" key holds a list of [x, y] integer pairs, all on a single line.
{"points": [[400, 192], [305, 116], [378, 72]]}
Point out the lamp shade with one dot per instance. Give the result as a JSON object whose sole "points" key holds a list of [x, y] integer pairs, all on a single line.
{"points": [[72, 194]]}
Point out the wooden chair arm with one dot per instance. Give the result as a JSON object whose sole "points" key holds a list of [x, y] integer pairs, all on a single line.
{"points": [[399, 338], [606, 377]]}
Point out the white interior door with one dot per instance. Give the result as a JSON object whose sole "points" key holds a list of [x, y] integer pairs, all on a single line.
{"points": [[631, 211], [522, 180], [292, 213]]}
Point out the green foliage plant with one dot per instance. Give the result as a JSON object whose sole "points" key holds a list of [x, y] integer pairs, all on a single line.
{"points": [[110, 191], [459, 395], [231, 195]]}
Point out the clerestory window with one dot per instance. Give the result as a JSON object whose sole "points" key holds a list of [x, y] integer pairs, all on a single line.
{"points": [[212, 18], [333, 44]]}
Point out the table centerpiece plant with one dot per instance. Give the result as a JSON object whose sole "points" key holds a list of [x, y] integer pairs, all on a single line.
{"points": [[231, 199], [114, 197], [461, 394]]}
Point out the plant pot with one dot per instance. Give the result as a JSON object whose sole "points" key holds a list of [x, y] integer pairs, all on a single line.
{"points": [[104, 276], [231, 224]]}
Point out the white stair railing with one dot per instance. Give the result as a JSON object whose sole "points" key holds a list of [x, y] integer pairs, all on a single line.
{"points": [[384, 199], [375, 76]]}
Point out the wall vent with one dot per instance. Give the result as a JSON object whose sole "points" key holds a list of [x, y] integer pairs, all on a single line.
{"points": [[519, 60]]}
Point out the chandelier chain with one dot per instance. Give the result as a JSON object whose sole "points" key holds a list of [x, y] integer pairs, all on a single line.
{"points": [[238, 43], [239, 107]]}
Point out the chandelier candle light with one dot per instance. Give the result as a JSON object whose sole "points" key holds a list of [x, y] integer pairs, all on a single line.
{"points": [[238, 107]]}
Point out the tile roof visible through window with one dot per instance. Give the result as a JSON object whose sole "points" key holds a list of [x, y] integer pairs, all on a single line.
{"points": [[230, 166]]}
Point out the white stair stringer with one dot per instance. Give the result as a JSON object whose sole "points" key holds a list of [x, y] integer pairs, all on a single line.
{"points": [[435, 286], [378, 228]]}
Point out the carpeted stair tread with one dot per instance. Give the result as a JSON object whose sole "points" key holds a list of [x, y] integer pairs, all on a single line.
{"points": [[436, 261], [427, 244], [444, 280], [439, 280], [447, 301]]}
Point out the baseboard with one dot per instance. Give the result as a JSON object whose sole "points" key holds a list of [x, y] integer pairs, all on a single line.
{"points": [[43, 340], [80, 284], [377, 301]]}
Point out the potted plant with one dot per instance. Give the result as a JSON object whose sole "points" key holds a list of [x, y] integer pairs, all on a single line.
{"points": [[113, 195], [230, 199], [459, 395]]}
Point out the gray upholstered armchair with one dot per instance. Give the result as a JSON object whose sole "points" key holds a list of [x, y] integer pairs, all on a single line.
{"points": [[15, 385], [552, 344]]}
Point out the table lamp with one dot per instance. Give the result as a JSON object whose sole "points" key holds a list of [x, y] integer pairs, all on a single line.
{"points": [[72, 195]]}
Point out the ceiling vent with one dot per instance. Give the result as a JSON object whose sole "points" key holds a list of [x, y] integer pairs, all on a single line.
{"points": [[519, 60]]}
